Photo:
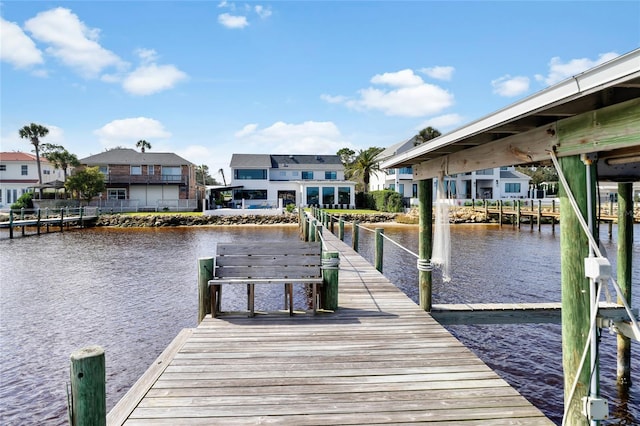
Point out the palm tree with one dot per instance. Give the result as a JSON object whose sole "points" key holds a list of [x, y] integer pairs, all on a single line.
{"points": [[364, 164], [142, 144], [62, 159], [34, 132], [426, 134]]}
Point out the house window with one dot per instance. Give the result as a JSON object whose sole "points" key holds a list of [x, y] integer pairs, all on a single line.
{"points": [[3, 167], [414, 190], [0, 197], [116, 194], [331, 176], [401, 189], [484, 172], [392, 186], [171, 174], [249, 194], [344, 195], [25, 170], [151, 170], [406, 171], [295, 173], [46, 172], [136, 170], [313, 195], [104, 170], [250, 174], [307, 175], [12, 195], [328, 195], [511, 187]]}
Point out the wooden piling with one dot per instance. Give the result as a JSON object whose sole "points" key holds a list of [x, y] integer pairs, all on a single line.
{"points": [[379, 251], [312, 230], [356, 231], [518, 213], [500, 212], [574, 248], [10, 224], [539, 215], [205, 273], [87, 405], [341, 228], [329, 291], [425, 240], [625, 255]]}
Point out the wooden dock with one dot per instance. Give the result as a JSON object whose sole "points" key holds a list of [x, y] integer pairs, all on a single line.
{"points": [[58, 219], [379, 359]]}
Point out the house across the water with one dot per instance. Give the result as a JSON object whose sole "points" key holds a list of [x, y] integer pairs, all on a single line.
{"points": [[268, 181]]}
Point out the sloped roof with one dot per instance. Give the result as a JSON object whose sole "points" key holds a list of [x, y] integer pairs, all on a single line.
{"points": [[513, 174], [274, 161], [397, 148], [131, 156], [19, 156], [614, 82]]}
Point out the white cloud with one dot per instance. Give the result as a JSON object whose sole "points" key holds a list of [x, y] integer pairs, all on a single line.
{"points": [[309, 137], [232, 21], [559, 71], [404, 78], [152, 78], [147, 55], [262, 12], [443, 122], [17, 48], [333, 99], [409, 96], [510, 86], [439, 72], [72, 42], [128, 131]]}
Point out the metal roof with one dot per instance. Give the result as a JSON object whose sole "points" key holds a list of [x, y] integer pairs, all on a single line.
{"points": [[611, 83], [274, 161], [131, 156]]}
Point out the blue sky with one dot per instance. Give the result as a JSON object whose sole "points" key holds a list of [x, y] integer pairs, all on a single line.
{"points": [[208, 79]]}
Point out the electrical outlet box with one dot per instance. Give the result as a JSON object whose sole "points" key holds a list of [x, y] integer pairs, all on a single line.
{"points": [[597, 268], [595, 408]]}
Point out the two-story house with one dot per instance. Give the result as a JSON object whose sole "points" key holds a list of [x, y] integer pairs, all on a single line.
{"points": [[499, 183], [19, 174], [145, 180], [262, 180]]}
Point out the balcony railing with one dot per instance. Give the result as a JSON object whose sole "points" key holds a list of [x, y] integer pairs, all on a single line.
{"points": [[146, 179]]}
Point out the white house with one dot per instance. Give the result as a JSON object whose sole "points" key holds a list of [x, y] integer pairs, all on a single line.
{"points": [[19, 174], [270, 181], [501, 183]]}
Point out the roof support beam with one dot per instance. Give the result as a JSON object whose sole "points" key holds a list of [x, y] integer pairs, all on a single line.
{"points": [[613, 127]]}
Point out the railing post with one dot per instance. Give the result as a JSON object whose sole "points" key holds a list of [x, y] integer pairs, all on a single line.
{"points": [[312, 231], [332, 223], [205, 273], [355, 230], [379, 248], [341, 228], [330, 268], [88, 402]]}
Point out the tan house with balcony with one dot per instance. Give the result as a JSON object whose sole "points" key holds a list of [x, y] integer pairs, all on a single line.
{"points": [[145, 180]]}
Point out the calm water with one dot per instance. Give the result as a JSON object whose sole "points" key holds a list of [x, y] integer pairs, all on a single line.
{"points": [[132, 290]]}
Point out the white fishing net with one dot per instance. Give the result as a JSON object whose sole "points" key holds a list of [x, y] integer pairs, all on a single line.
{"points": [[441, 253]]}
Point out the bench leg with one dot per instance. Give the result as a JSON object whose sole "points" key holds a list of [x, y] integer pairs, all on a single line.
{"points": [[314, 297], [289, 291], [250, 299], [215, 293]]}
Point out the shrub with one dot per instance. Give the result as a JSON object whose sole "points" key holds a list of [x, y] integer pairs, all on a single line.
{"points": [[387, 201], [290, 208], [364, 200], [24, 202]]}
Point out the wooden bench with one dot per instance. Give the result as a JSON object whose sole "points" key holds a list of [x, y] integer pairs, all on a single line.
{"points": [[288, 263]]}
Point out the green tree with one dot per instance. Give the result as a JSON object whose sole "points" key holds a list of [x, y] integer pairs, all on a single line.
{"points": [[34, 132], [60, 157], [426, 134], [364, 164], [86, 183], [143, 145], [203, 176]]}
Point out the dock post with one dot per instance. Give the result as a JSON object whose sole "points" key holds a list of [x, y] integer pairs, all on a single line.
{"points": [[486, 208], [38, 222], [88, 402], [332, 221], [518, 213], [539, 217], [379, 248], [205, 273], [356, 231], [574, 248], [500, 212], [625, 255], [329, 291], [312, 231], [61, 220], [425, 242], [22, 218], [341, 228], [46, 216], [11, 224]]}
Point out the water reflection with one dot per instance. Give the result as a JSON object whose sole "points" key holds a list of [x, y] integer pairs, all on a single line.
{"points": [[132, 290]]}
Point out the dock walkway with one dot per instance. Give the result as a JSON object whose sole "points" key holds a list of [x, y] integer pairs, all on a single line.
{"points": [[379, 359]]}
